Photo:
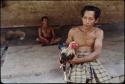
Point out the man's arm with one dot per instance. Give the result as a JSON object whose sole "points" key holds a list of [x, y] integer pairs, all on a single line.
{"points": [[95, 54], [39, 32], [53, 36], [53, 33], [70, 37]]}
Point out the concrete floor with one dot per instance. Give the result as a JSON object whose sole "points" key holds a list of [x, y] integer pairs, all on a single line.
{"points": [[37, 64]]}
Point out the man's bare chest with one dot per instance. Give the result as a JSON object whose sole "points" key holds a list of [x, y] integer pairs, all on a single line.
{"points": [[84, 38]]}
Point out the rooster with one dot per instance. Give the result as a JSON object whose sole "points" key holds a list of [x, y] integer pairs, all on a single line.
{"points": [[66, 54]]}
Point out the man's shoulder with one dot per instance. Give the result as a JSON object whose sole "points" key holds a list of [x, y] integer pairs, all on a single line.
{"points": [[75, 28], [50, 27], [99, 29]]}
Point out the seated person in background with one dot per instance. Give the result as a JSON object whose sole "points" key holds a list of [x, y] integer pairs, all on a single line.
{"points": [[46, 35]]}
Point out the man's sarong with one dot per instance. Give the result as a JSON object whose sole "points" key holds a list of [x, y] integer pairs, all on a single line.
{"points": [[90, 72]]}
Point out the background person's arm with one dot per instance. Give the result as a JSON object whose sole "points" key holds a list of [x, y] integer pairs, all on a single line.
{"points": [[53, 34]]}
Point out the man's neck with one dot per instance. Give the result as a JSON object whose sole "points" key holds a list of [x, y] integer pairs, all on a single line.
{"points": [[45, 26], [87, 29]]}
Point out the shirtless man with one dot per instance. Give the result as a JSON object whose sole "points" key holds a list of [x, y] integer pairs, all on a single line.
{"points": [[46, 33], [86, 66]]}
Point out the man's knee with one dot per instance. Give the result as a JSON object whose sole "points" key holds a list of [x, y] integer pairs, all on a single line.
{"points": [[37, 39], [58, 39]]}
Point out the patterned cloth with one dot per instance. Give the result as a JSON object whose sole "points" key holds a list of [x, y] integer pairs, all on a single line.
{"points": [[90, 72]]}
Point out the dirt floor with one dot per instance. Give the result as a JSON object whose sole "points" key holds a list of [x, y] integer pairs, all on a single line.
{"points": [[37, 64]]}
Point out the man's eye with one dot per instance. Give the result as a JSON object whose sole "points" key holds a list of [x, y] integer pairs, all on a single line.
{"points": [[91, 19], [84, 18]]}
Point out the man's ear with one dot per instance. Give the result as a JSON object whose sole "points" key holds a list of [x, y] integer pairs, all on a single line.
{"points": [[97, 20]]}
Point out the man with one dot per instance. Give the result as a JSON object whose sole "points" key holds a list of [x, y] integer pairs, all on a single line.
{"points": [[46, 33], [86, 66]]}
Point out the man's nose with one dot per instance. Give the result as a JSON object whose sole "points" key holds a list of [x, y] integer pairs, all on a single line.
{"points": [[87, 20]]}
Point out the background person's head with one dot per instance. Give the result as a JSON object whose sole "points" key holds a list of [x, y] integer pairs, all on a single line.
{"points": [[90, 15], [44, 20]]}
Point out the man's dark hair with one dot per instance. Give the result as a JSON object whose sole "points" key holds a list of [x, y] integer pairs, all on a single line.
{"points": [[91, 8], [44, 17]]}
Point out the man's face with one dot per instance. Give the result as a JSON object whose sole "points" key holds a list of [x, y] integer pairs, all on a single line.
{"points": [[89, 18], [45, 21]]}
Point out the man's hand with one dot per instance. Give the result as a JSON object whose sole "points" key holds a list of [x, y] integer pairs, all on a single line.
{"points": [[52, 41], [45, 40], [75, 60]]}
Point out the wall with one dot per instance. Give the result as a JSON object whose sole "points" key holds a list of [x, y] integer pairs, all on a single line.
{"points": [[28, 13]]}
